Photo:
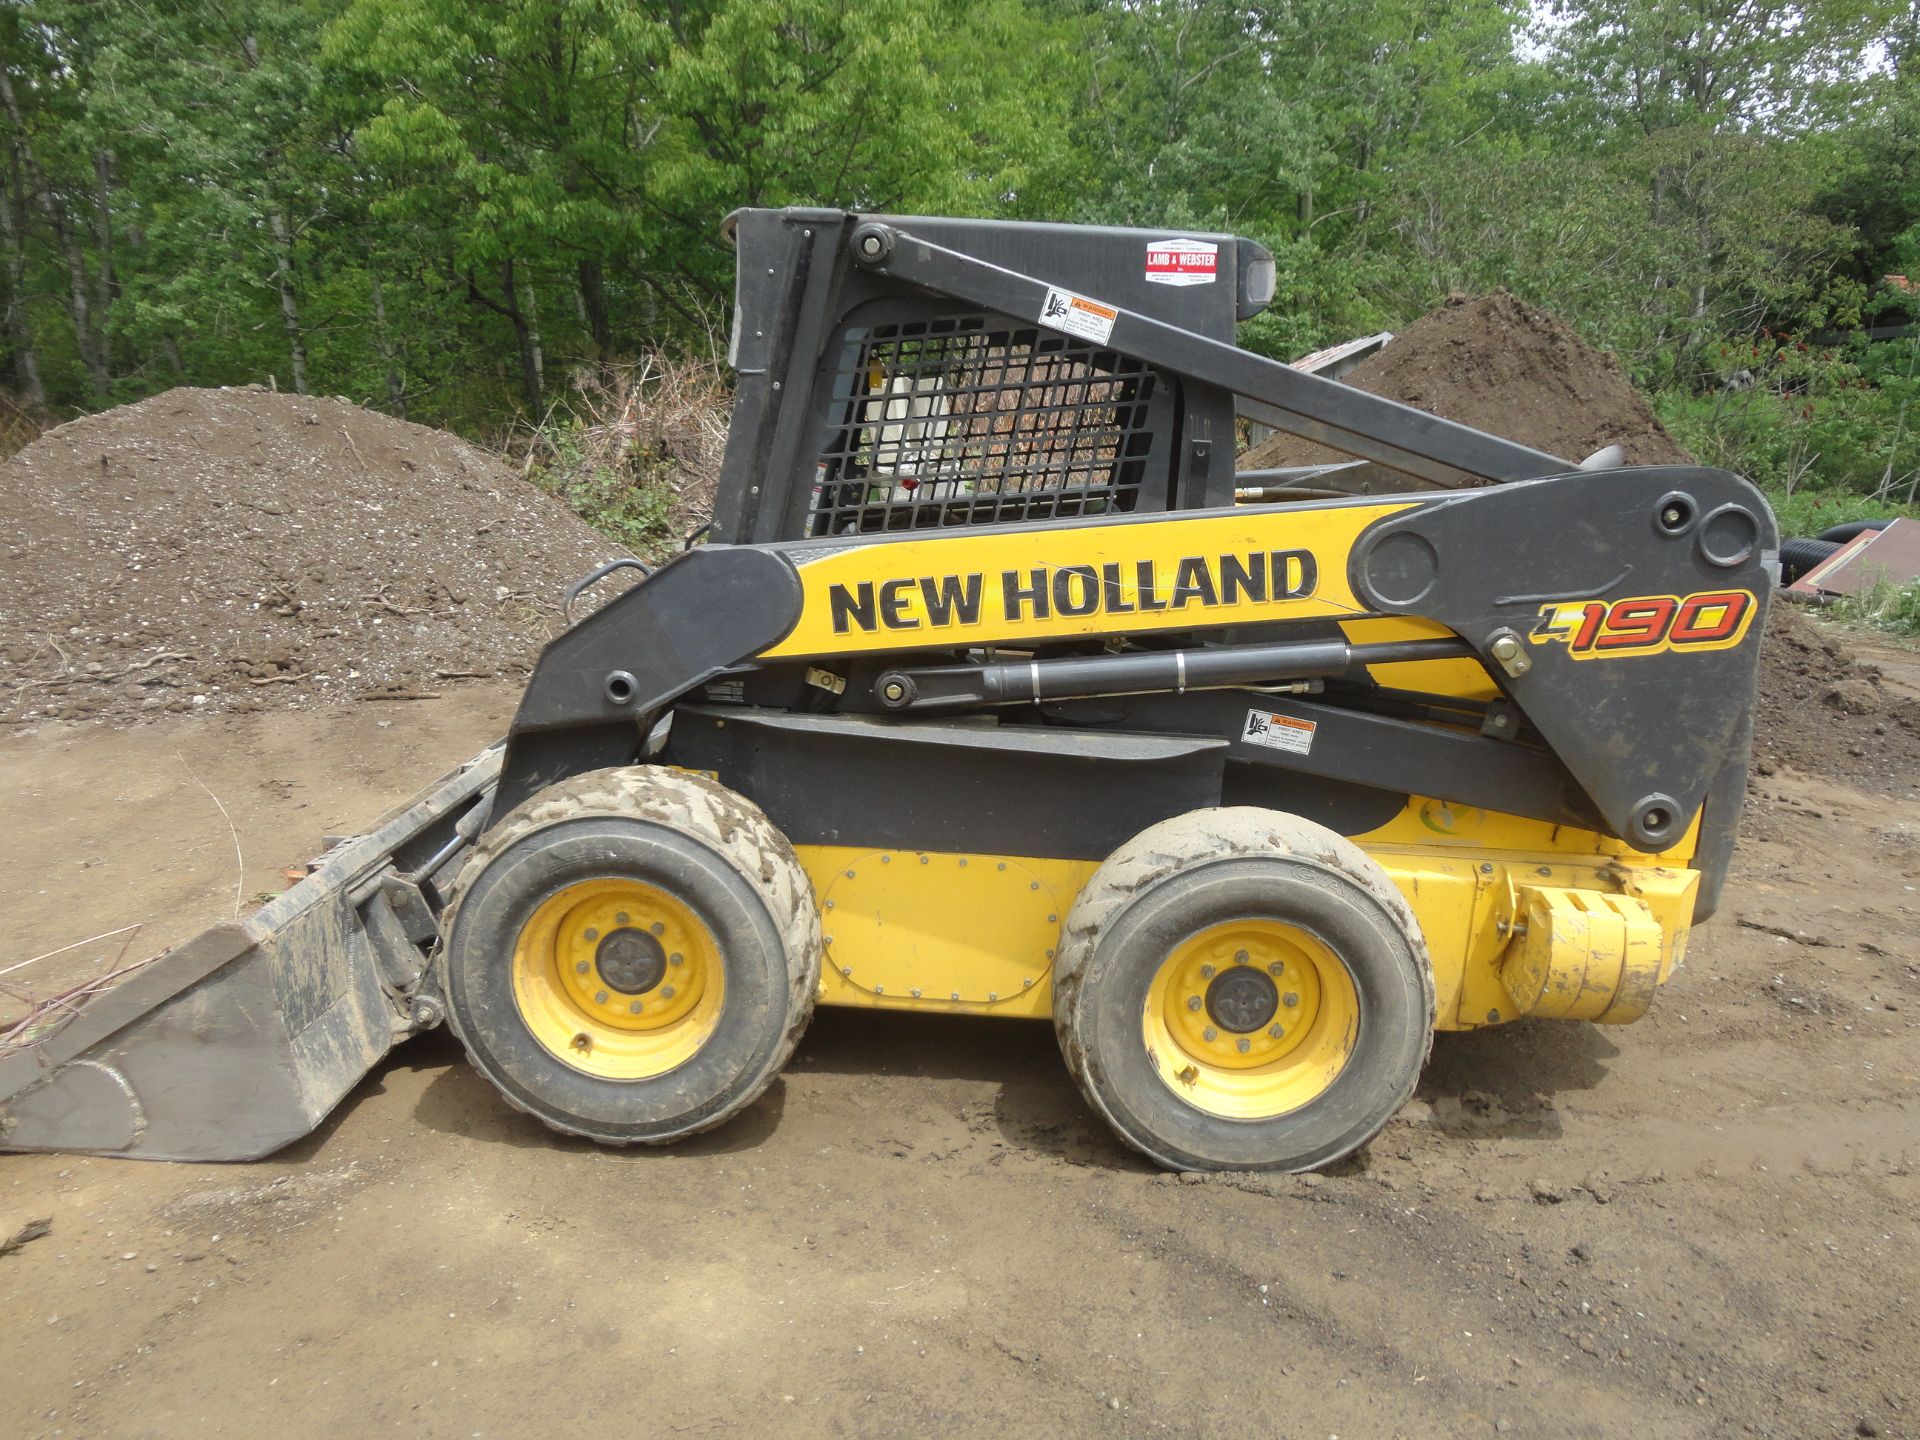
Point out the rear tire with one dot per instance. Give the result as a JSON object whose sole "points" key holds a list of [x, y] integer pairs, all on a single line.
{"points": [[1241, 989], [632, 955]]}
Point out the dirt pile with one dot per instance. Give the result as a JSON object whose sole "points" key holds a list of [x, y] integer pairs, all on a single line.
{"points": [[1497, 364], [239, 549], [1822, 711]]}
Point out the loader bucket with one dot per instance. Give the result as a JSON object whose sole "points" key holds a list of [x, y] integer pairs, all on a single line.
{"points": [[244, 1038]]}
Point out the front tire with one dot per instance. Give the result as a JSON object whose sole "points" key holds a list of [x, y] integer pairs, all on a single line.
{"points": [[632, 955], [1241, 989]]}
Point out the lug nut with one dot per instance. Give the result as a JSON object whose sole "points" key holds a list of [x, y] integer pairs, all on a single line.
{"points": [[676, 959], [1239, 957], [1277, 968], [1243, 1046], [1206, 972], [658, 928], [1210, 1033], [635, 1008], [580, 968], [599, 997], [622, 918], [1290, 1000], [1276, 1031], [1193, 1002], [593, 935], [666, 992]]}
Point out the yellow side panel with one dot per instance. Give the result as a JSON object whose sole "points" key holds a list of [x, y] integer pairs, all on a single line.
{"points": [[1467, 678], [978, 934], [1425, 823], [981, 587], [922, 930]]}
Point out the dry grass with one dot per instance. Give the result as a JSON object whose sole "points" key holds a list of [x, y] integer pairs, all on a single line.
{"points": [[634, 448], [19, 425]]}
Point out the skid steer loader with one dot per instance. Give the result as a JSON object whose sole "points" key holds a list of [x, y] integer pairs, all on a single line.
{"points": [[994, 690]]}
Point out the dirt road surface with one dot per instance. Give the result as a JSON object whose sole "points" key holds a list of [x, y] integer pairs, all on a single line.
{"points": [[1700, 1225]]}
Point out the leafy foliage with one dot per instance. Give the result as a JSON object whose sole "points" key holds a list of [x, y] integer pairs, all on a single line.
{"points": [[453, 209]]}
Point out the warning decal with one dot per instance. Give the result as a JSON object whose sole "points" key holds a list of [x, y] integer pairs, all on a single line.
{"points": [[1077, 315], [1182, 262], [1279, 732]]}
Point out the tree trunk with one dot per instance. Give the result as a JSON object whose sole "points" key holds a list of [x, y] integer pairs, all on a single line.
{"points": [[289, 303], [396, 391], [68, 242], [527, 332], [107, 276], [91, 344], [13, 224], [593, 295]]}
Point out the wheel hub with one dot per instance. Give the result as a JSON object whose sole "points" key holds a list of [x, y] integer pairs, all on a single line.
{"points": [[1242, 999], [630, 961]]}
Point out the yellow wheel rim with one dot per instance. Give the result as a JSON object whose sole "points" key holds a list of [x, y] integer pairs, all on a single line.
{"points": [[618, 978], [1250, 1019]]}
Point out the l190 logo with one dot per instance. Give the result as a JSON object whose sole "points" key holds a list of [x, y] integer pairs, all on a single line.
{"points": [[1646, 624]]}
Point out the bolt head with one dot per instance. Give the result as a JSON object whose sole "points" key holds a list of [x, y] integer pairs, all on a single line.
{"points": [[916, 994], [895, 691], [869, 245], [847, 970], [1505, 648]]}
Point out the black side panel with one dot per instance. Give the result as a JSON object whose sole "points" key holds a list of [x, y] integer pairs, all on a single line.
{"points": [[1645, 731], [598, 687], [1390, 758], [984, 789]]}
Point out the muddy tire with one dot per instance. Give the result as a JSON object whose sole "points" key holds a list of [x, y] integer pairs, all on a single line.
{"points": [[1240, 989], [632, 955]]}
